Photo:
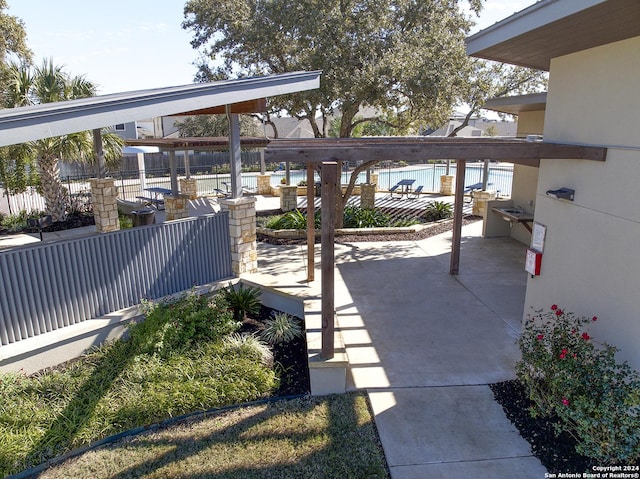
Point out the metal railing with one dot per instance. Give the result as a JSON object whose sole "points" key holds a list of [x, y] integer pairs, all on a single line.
{"points": [[53, 285], [213, 178]]}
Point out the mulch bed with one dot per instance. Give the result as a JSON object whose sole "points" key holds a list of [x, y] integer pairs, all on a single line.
{"points": [[434, 230], [556, 452], [290, 358]]}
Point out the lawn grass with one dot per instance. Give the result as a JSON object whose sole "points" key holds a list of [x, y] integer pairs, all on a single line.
{"points": [[327, 437], [158, 373]]}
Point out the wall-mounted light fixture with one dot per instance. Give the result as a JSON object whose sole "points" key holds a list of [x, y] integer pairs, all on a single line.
{"points": [[562, 193]]}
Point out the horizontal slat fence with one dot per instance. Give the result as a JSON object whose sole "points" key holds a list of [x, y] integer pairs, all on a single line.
{"points": [[50, 286]]}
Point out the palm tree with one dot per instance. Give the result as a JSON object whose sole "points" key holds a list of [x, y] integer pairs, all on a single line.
{"points": [[45, 84]]}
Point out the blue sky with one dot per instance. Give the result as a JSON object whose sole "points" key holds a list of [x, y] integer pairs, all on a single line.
{"points": [[126, 45]]}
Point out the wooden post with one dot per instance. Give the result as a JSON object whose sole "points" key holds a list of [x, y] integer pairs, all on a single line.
{"points": [[99, 153], [235, 153], [311, 231], [187, 166], [329, 182], [173, 172], [457, 217]]}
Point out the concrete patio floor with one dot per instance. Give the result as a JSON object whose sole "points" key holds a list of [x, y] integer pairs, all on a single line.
{"points": [[425, 345]]}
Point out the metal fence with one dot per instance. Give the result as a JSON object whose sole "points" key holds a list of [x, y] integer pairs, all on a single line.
{"points": [[50, 286], [215, 176]]}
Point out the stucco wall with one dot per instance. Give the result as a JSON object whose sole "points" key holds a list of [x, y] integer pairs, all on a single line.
{"points": [[530, 123], [591, 262], [525, 178]]}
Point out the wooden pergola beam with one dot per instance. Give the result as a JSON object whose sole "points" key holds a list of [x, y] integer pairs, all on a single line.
{"points": [[420, 149]]}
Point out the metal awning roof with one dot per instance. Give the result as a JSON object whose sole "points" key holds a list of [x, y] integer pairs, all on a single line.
{"points": [[29, 123], [552, 28]]}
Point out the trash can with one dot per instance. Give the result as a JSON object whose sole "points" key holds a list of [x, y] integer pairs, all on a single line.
{"points": [[143, 217], [318, 188]]}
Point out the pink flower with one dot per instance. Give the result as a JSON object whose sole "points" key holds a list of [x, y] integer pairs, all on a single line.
{"points": [[539, 336], [595, 318], [558, 312], [586, 336], [563, 353], [565, 401], [554, 307]]}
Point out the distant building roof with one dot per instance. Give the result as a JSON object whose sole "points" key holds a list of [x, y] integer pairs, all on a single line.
{"points": [[552, 28]]}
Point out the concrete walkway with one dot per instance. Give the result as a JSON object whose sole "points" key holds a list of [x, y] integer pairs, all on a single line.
{"points": [[425, 345]]}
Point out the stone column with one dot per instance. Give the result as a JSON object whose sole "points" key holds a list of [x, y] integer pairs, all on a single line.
{"points": [[480, 199], [288, 197], [446, 185], [105, 208], [374, 180], [242, 230], [368, 196], [189, 187], [176, 207], [264, 184]]}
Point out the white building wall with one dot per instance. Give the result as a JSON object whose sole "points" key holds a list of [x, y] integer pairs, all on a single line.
{"points": [[591, 261]]}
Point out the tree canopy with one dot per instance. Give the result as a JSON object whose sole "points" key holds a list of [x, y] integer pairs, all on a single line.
{"points": [[13, 45], [404, 58], [215, 125]]}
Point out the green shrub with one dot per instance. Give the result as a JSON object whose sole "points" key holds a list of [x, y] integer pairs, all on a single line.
{"points": [[437, 210], [170, 327], [281, 328], [404, 222], [18, 222], [242, 300], [125, 222], [250, 346], [356, 217], [568, 375], [292, 220]]}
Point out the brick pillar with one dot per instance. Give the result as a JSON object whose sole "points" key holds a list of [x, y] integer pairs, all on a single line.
{"points": [[374, 180], [480, 199], [242, 230], [264, 184], [105, 208], [176, 207], [189, 187], [288, 197], [368, 196], [446, 185]]}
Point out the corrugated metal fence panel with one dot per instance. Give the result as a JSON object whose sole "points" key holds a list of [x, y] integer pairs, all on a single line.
{"points": [[53, 285]]}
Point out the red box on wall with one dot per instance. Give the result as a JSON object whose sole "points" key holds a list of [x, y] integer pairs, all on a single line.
{"points": [[533, 262]]}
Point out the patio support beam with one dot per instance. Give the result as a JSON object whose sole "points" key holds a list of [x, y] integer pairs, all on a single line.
{"points": [[329, 185], [311, 230], [457, 217], [235, 153], [412, 149], [99, 152], [173, 172]]}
